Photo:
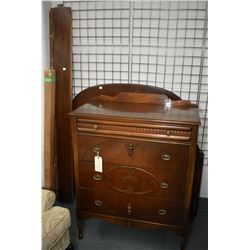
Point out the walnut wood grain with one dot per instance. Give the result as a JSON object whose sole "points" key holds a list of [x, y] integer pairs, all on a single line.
{"points": [[61, 62]]}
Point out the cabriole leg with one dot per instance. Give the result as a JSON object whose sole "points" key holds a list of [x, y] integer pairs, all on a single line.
{"points": [[183, 243], [80, 229]]}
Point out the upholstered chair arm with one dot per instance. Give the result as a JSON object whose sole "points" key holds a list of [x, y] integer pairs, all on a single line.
{"points": [[48, 199]]}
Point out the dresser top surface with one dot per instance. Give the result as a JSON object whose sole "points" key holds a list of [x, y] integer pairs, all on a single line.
{"points": [[138, 111]]}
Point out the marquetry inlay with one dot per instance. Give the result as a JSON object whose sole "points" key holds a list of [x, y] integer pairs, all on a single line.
{"points": [[130, 178]]}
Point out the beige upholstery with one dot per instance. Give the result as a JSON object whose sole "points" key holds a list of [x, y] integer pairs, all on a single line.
{"points": [[48, 199], [55, 223]]}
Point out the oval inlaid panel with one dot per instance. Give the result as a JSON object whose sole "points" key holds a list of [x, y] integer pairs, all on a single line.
{"points": [[128, 179]]}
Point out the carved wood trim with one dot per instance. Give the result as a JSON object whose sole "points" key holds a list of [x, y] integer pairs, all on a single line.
{"points": [[130, 148], [170, 133], [183, 104], [140, 125], [129, 209]]}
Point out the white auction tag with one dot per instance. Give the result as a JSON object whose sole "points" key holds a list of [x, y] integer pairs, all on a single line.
{"points": [[98, 163]]}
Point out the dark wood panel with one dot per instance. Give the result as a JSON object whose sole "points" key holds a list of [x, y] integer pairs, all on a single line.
{"points": [[61, 62], [197, 182]]}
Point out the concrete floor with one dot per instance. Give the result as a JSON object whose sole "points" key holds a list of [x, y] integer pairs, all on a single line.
{"points": [[101, 235]]}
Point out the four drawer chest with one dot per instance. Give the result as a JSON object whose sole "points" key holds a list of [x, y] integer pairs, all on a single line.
{"points": [[134, 150]]}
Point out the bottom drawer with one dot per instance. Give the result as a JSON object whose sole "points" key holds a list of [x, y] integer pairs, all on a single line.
{"points": [[131, 207]]}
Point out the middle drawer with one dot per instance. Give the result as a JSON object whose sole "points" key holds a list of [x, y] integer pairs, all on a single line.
{"points": [[133, 180]]}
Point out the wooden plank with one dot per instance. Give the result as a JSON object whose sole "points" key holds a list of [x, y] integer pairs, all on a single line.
{"points": [[61, 62], [49, 129]]}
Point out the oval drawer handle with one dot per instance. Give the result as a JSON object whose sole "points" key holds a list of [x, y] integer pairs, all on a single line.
{"points": [[95, 126], [166, 157], [164, 185], [98, 203], [162, 211], [97, 177]]}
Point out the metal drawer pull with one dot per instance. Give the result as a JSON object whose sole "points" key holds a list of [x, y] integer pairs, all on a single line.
{"points": [[97, 177], [98, 203], [166, 157], [162, 211], [164, 185], [96, 150]]}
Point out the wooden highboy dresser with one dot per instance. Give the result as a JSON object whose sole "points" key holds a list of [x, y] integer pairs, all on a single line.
{"points": [[134, 156]]}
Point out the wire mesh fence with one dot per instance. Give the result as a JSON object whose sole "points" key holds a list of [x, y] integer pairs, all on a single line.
{"points": [[159, 43]]}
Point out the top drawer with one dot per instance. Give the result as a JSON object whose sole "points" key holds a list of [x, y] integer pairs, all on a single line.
{"points": [[134, 153], [148, 130]]}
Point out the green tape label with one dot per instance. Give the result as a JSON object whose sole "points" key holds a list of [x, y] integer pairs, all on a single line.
{"points": [[49, 77]]}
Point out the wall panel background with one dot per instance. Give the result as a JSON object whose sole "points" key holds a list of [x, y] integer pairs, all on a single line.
{"points": [[159, 43]]}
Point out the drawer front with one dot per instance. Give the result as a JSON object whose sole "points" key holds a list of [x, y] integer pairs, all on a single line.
{"points": [[139, 208], [133, 180], [172, 157]]}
